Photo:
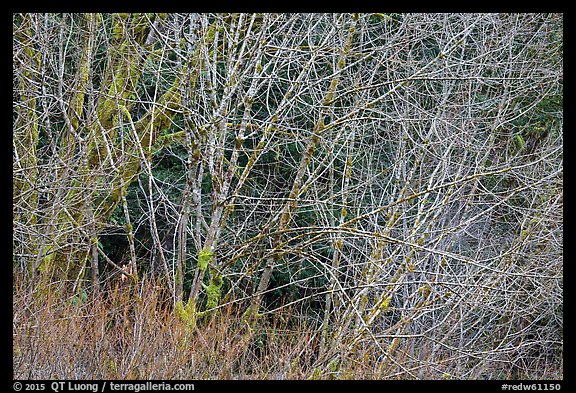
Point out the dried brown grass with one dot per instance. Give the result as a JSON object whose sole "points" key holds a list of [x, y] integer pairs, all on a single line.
{"points": [[138, 336], [135, 334]]}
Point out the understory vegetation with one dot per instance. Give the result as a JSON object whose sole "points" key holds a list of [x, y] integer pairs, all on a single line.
{"points": [[287, 196]]}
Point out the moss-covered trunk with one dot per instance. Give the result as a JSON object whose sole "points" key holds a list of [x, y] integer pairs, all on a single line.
{"points": [[25, 136], [100, 162]]}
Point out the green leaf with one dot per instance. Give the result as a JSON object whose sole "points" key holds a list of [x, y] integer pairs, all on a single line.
{"points": [[519, 141], [204, 258], [213, 291]]}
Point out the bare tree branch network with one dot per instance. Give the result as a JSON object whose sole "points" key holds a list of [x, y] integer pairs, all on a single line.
{"points": [[394, 182]]}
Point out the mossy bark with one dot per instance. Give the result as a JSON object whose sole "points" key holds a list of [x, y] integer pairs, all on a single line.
{"points": [[25, 138], [102, 162]]}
